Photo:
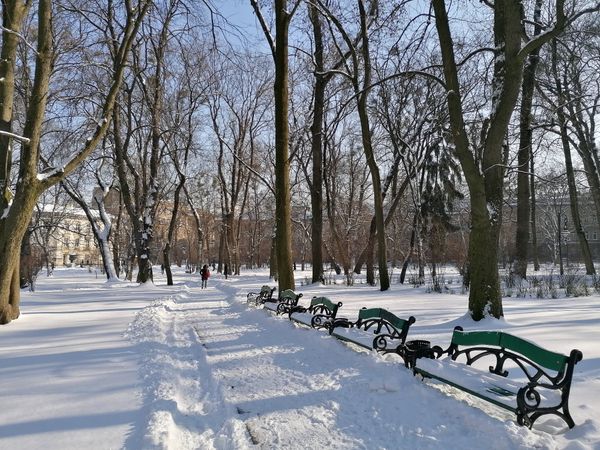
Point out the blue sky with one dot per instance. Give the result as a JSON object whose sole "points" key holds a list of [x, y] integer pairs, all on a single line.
{"points": [[238, 12]]}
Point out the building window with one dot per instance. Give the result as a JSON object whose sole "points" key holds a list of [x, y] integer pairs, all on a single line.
{"points": [[595, 236]]}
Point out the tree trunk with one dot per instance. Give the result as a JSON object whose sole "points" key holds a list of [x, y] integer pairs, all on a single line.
{"points": [[484, 293], [101, 236], [171, 232], [16, 218], [534, 241], [283, 211], [273, 260], [167, 263], [525, 155], [564, 135], [484, 177], [413, 236], [384, 280], [13, 13], [316, 188]]}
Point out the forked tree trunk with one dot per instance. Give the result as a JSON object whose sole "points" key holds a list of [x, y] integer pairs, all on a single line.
{"points": [[101, 236], [13, 13]]}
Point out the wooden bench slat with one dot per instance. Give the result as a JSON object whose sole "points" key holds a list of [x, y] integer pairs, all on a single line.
{"points": [[476, 338], [545, 358], [302, 317]]}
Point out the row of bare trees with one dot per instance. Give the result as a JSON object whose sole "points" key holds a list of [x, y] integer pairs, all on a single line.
{"points": [[359, 134]]}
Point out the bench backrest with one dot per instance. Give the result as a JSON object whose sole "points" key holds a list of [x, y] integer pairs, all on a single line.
{"points": [[384, 320], [324, 305], [545, 358], [380, 313], [265, 290], [289, 295]]}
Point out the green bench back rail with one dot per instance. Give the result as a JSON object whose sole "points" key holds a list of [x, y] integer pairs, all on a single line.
{"points": [[383, 319], [324, 304], [545, 358]]}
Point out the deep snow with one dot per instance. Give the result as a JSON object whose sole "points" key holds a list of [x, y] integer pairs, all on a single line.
{"points": [[99, 365]]}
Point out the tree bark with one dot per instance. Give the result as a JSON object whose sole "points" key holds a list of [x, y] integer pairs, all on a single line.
{"points": [[13, 13], [171, 232], [384, 279], [101, 236], [17, 218], [316, 187], [525, 154], [534, 241], [564, 135], [283, 211]]}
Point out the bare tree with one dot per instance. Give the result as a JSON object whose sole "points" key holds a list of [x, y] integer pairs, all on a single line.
{"points": [[283, 217], [525, 153], [96, 213], [140, 154], [238, 109], [16, 214], [570, 172], [484, 163], [187, 98]]}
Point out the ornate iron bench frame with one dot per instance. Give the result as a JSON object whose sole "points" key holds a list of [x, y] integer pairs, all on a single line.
{"points": [[535, 362], [389, 330], [322, 309], [287, 299], [257, 298]]}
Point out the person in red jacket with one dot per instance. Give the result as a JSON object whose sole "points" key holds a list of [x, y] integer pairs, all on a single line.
{"points": [[204, 273]]}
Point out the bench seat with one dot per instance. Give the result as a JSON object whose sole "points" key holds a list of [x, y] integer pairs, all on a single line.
{"points": [[304, 318], [493, 388], [356, 336]]}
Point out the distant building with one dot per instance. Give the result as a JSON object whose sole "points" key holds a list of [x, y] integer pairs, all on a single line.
{"points": [[66, 238]]}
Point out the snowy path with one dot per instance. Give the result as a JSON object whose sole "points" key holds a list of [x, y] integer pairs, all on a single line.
{"points": [[218, 375]]}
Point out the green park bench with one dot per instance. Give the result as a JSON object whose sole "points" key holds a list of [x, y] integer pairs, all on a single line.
{"points": [[286, 300], [505, 370], [257, 298], [375, 329], [319, 314]]}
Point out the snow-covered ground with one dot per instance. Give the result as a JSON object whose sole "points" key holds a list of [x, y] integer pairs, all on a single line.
{"points": [[92, 365]]}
